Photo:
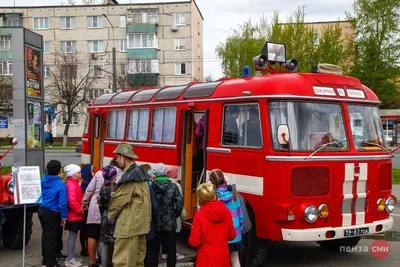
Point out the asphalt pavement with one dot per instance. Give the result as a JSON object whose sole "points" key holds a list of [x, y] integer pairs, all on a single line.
{"points": [[64, 156]]}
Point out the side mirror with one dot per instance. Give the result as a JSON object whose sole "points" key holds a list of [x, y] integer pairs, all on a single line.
{"points": [[283, 134], [15, 141]]}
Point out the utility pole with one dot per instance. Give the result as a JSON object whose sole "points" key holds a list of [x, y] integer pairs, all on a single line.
{"points": [[114, 60]]}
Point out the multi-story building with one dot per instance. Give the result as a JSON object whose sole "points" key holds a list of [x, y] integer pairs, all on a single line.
{"points": [[156, 44]]}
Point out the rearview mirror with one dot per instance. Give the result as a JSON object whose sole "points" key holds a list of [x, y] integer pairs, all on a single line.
{"points": [[283, 134], [15, 141]]}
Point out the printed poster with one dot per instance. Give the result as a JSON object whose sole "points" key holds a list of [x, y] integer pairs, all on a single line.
{"points": [[27, 188], [34, 127], [33, 72]]}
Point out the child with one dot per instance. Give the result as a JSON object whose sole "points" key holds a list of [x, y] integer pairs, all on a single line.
{"points": [[172, 174], [232, 202], [211, 230], [87, 175], [75, 218]]}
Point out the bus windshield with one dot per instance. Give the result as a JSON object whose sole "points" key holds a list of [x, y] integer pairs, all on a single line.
{"points": [[310, 124], [366, 128]]}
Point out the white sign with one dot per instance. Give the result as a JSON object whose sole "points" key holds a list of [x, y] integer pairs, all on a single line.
{"points": [[341, 92], [320, 90], [355, 93], [27, 187]]}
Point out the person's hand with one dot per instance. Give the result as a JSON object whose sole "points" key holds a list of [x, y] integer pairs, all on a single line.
{"points": [[63, 222], [84, 208]]}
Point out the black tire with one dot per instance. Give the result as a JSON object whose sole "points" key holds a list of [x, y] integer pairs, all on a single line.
{"points": [[13, 231], [340, 245], [255, 250]]}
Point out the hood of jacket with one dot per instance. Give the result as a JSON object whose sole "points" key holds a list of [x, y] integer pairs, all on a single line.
{"points": [[161, 184], [49, 181], [133, 174], [214, 211], [224, 194], [87, 172]]}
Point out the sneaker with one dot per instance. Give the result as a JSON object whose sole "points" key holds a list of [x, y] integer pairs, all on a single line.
{"points": [[164, 257], [179, 257], [98, 260], [72, 263], [79, 260]]}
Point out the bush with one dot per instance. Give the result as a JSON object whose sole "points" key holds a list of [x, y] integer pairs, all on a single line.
{"points": [[396, 176]]}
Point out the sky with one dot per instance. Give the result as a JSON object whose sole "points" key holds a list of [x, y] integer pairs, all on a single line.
{"points": [[222, 16]]}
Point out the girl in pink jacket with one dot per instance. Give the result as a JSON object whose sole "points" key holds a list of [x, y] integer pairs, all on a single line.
{"points": [[75, 216]]}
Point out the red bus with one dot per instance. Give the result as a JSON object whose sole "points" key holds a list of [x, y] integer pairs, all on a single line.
{"points": [[306, 150]]}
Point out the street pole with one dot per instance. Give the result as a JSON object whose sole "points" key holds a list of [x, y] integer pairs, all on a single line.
{"points": [[114, 57]]}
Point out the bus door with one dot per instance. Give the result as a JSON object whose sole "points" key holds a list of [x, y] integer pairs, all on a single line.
{"points": [[193, 157], [97, 149]]}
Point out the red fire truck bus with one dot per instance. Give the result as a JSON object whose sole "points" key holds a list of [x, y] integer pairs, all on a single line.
{"points": [[306, 150]]}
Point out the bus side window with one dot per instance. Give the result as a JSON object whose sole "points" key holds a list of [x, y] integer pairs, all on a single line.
{"points": [[116, 124], [242, 126], [138, 124], [163, 125]]}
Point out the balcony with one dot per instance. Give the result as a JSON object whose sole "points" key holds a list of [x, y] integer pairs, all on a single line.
{"points": [[5, 31], [143, 79], [148, 53], [5, 55], [141, 28]]}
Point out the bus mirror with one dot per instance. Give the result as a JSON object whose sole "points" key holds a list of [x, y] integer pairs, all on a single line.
{"points": [[283, 134]]}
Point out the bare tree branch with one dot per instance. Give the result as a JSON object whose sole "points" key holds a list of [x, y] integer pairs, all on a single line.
{"points": [[6, 95]]}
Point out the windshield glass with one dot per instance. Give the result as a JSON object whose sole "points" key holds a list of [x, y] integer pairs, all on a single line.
{"points": [[366, 128], [311, 125]]}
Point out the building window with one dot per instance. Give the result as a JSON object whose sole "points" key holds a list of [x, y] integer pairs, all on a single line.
{"points": [[141, 40], [46, 47], [180, 68], [10, 20], [143, 66], [122, 21], [180, 44], [180, 19], [68, 46], [74, 119], [242, 126], [5, 43], [116, 124], [95, 46], [138, 124], [94, 93], [40, 23], [316, 39], [95, 22], [124, 69], [5, 67], [67, 23], [47, 71], [96, 71], [163, 125], [122, 46], [144, 15]]}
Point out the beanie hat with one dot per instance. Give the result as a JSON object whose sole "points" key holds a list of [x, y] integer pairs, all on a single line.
{"points": [[109, 173], [206, 193], [71, 169], [172, 172], [159, 169]]}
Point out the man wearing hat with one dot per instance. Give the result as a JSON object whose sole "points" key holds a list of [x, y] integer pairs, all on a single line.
{"points": [[131, 208]]}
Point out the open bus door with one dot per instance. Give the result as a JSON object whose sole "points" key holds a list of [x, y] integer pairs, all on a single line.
{"points": [[193, 160], [98, 128]]}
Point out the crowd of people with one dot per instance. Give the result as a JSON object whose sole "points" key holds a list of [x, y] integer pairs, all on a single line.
{"points": [[132, 214]]}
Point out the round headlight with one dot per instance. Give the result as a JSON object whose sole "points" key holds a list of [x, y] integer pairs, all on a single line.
{"points": [[323, 211], [390, 204], [10, 187], [380, 204], [311, 214]]}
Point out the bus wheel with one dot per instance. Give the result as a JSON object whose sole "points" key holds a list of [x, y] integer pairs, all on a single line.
{"points": [[340, 245], [255, 249]]}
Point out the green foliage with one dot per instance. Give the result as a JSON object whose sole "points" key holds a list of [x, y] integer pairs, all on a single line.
{"points": [[396, 176], [6, 170], [377, 25]]}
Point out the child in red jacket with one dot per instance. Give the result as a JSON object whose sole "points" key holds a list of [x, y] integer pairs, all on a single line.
{"points": [[75, 216], [211, 230]]}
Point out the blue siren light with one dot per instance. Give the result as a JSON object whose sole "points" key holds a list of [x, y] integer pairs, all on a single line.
{"points": [[246, 72]]}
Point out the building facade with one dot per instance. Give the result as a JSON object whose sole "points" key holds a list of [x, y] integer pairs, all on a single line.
{"points": [[156, 44]]}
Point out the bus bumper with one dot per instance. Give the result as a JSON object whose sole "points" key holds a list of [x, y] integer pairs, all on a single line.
{"points": [[319, 234]]}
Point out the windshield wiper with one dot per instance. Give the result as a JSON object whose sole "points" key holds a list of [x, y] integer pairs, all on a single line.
{"points": [[322, 147], [377, 145]]}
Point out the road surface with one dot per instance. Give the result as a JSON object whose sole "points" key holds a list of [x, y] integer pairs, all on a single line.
{"points": [[64, 156]]}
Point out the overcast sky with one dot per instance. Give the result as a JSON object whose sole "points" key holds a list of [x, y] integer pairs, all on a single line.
{"points": [[221, 16]]}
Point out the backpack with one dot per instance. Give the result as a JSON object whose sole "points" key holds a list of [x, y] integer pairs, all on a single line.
{"points": [[246, 221]]}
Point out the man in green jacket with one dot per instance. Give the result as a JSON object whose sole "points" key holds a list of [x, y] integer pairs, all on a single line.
{"points": [[131, 208]]}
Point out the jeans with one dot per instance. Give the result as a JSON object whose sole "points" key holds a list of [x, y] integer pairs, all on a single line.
{"points": [[50, 222]]}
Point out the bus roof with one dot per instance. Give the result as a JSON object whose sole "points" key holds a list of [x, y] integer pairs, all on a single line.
{"points": [[280, 85]]}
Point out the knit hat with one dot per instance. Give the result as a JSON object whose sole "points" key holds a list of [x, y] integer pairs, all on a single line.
{"points": [[159, 169], [71, 169], [109, 173], [172, 172], [206, 193]]}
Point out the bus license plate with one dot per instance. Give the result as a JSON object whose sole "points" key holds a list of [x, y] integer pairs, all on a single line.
{"points": [[356, 231]]}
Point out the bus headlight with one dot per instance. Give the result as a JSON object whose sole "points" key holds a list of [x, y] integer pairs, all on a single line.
{"points": [[311, 214], [380, 204], [390, 204], [10, 187], [323, 210]]}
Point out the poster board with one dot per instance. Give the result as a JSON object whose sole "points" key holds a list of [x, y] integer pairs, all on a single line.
{"points": [[33, 71], [27, 186]]}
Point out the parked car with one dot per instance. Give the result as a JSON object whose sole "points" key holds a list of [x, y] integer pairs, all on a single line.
{"points": [[78, 148]]}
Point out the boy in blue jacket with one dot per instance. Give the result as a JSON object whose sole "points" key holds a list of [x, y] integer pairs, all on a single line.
{"points": [[52, 211]]}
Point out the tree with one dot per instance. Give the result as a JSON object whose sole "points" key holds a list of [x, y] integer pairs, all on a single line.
{"points": [[377, 47], [6, 95], [69, 85], [209, 78]]}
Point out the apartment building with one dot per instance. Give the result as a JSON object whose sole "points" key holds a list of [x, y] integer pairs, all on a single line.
{"points": [[156, 44]]}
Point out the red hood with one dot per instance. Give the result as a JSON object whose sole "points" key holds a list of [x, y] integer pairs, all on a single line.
{"points": [[214, 211]]}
